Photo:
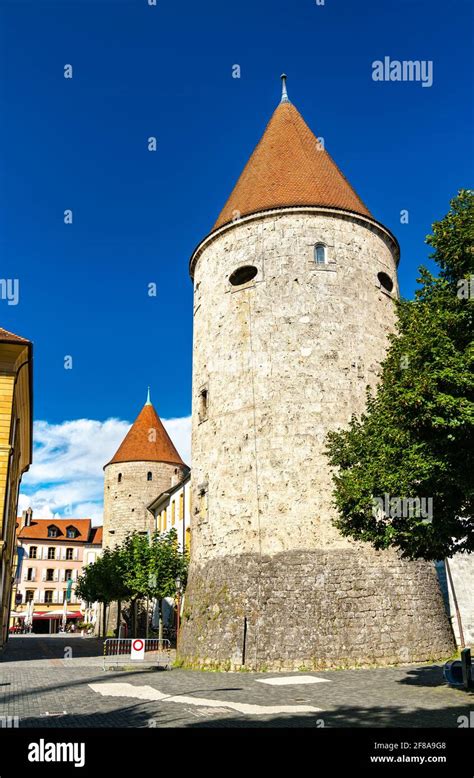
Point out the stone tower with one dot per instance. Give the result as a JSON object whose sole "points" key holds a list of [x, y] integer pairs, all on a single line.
{"points": [[145, 464], [294, 293]]}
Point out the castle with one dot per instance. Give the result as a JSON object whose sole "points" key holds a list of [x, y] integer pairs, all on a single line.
{"points": [[145, 465], [294, 293]]}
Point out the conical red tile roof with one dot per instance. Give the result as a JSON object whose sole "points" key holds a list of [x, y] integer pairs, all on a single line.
{"points": [[288, 167], [147, 441]]}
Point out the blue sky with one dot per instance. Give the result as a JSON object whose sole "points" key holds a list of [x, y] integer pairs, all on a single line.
{"points": [[166, 71]]}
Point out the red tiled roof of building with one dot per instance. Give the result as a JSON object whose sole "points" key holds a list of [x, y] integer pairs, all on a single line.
{"points": [[289, 167], [147, 441], [38, 529], [96, 536], [10, 337]]}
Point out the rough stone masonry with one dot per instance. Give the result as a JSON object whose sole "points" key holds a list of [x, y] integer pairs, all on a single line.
{"points": [[284, 359], [283, 354]]}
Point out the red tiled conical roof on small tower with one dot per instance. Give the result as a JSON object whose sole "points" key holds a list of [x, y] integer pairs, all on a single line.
{"points": [[147, 440], [289, 167]]}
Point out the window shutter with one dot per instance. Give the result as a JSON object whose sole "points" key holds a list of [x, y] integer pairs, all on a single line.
{"points": [[74, 555], [25, 575], [55, 596], [43, 576], [74, 575], [33, 574], [56, 575], [41, 596], [63, 575]]}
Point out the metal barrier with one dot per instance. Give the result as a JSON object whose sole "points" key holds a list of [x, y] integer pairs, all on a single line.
{"points": [[157, 652]]}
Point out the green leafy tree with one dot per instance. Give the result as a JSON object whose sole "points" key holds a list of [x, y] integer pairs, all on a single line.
{"points": [[103, 582], [414, 442], [167, 564], [150, 566]]}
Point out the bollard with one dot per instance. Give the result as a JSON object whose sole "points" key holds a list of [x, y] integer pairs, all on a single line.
{"points": [[467, 668]]}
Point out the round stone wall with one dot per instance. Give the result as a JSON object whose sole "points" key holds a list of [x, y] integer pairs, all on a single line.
{"points": [[278, 362], [125, 500]]}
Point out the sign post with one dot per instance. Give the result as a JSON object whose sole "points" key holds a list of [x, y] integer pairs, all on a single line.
{"points": [[137, 651]]}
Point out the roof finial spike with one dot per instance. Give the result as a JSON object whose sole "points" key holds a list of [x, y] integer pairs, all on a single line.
{"points": [[284, 93], [148, 398]]}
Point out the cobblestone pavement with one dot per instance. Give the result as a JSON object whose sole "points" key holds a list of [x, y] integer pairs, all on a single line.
{"points": [[43, 689]]}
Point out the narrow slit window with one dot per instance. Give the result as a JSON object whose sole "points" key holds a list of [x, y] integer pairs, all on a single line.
{"points": [[203, 403]]}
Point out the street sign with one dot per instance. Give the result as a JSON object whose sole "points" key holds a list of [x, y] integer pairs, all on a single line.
{"points": [[138, 649]]}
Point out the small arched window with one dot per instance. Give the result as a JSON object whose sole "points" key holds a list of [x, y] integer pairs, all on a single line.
{"points": [[119, 479], [320, 254], [149, 476]]}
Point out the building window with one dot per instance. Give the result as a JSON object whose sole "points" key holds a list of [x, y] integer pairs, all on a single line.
{"points": [[29, 574], [385, 281], [48, 596], [243, 275], [188, 540], [320, 254], [50, 574], [181, 505], [69, 553], [52, 532], [203, 501], [68, 575], [33, 552], [71, 532], [119, 478], [149, 476], [51, 552], [203, 403], [173, 513], [29, 595]]}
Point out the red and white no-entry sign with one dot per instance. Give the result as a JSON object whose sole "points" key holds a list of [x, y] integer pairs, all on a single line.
{"points": [[138, 649]]}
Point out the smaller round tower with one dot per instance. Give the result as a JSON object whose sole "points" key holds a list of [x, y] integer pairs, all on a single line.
{"points": [[145, 465]]}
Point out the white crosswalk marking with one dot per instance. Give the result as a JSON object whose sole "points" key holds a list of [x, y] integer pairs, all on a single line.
{"points": [[290, 680], [148, 693]]}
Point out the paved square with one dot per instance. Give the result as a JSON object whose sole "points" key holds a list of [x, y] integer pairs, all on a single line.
{"points": [[42, 688]]}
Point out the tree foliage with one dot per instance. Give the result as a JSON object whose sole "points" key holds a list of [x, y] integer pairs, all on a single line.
{"points": [[152, 565], [102, 581], [141, 567], [414, 441]]}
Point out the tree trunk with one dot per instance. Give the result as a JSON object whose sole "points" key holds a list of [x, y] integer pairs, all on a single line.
{"points": [[104, 619], [133, 617], [119, 614]]}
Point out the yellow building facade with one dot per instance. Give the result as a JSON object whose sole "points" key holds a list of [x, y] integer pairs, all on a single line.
{"points": [[16, 419], [172, 509]]}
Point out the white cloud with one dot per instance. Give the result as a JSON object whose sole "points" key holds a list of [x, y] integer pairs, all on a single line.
{"points": [[66, 477]]}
